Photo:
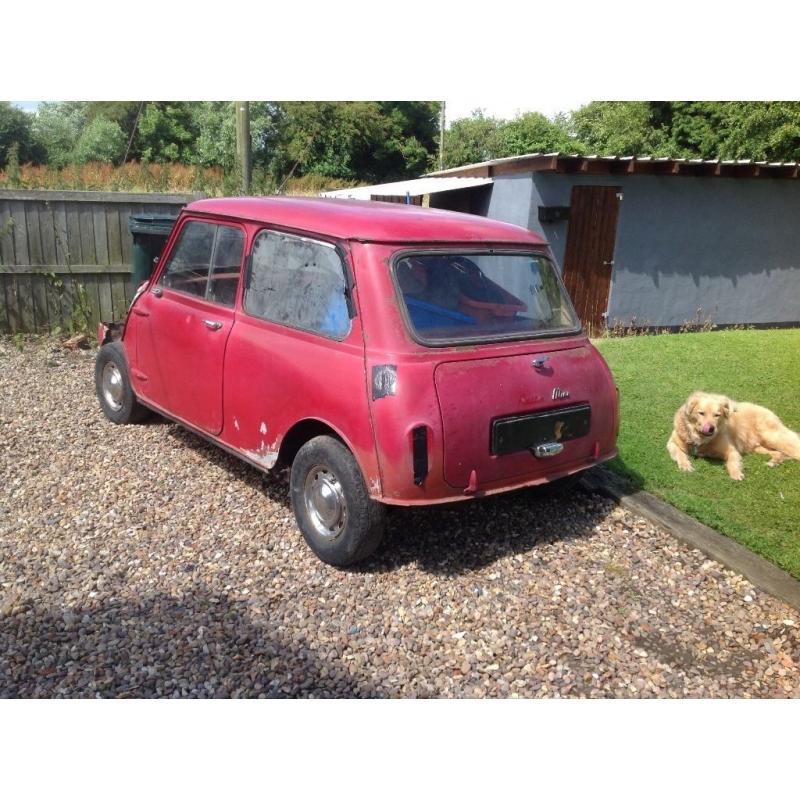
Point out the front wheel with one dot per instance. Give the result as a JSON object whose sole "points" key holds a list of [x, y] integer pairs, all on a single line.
{"points": [[337, 517], [113, 386]]}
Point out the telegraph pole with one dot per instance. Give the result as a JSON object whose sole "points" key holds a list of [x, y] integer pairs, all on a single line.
{"points": [[243, 143], [441, 136]]}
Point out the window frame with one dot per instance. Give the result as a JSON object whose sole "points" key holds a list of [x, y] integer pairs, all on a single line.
{"points": [[460, 341], [204, 298], [349, 283]]}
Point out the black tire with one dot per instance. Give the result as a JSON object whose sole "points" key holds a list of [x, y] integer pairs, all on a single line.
{"points": [[126, 408], [323, 464]]}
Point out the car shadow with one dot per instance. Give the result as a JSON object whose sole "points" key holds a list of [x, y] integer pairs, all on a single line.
{"points": [[205, 645], [627, 477], [449, 539], [464, 537], [154, 420]]}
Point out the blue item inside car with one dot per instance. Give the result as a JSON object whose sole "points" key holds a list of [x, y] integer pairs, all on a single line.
{"points": [[427, 315]]}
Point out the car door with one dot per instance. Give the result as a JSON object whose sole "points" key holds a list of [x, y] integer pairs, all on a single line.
{"points": [[297, 351], [189, 315]]}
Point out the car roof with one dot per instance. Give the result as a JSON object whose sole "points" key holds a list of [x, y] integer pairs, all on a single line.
{"points": [[367, 220]]}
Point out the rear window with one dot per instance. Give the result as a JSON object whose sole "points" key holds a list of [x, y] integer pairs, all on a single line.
{"points": [[456, 297]]}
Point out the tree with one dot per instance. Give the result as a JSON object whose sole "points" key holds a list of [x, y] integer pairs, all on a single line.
{"points": [[471, 140], [123, 112], [371, 141], [100, 140], [534, 133], [166, 132], [691, 129], [57, 127], [412, 137], [479, 138], [696, 129], [15, 127], [216, 133], [762, 131], [620, 129]]}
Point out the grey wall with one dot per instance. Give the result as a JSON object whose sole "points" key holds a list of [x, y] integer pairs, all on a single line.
{"points": [[729, 246], [511, 199]]}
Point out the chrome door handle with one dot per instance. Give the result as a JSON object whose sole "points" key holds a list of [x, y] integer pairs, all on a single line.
{"points": [[539, 362], [157, 291], [548, 449], [212, 325]]}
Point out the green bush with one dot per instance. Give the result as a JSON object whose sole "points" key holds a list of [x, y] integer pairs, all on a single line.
{"points": [[101, 140]]}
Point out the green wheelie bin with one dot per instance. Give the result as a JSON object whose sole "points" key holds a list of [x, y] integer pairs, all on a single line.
{"points": [[150, 233]]}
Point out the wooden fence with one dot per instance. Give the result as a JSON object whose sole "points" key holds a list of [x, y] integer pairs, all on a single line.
{"points": [[59, 241]]}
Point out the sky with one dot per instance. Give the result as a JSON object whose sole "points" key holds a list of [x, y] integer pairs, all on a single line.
{"points": [[503, 57]]}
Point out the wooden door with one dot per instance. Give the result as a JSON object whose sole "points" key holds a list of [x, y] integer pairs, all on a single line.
{"points": [[589, 254]]}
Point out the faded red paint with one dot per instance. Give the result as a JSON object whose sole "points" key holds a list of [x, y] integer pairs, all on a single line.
{"points": [[357, 220], [249, 383]]}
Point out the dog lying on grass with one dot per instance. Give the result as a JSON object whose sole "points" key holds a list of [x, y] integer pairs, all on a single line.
{"points": [[714, 426]]}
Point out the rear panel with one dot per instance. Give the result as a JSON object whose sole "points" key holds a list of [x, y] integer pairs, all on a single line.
{"points": [[488, 409], [454, 394]]}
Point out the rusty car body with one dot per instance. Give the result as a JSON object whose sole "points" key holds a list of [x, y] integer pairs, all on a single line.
{"points": [[389, 354]]}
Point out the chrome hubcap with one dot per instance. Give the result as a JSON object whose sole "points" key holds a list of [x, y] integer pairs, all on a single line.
{"points": [[325, 503], [112, 386]]}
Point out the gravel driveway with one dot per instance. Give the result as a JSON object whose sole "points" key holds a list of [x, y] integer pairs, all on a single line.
{"points": [[141, 562]]}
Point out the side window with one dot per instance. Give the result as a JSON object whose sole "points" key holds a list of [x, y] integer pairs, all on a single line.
{"points": [[187, 269], [206, 262], [299, 283], [226, 266]]}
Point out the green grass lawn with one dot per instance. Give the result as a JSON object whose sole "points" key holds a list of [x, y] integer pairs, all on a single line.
{"points": [[655, 374]]}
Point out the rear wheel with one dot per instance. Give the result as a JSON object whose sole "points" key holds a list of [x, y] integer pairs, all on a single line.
{"points": [[113, 386], [337, 517]]}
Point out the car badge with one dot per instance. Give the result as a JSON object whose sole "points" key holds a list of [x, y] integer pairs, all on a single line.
{"points": [[560, 394]]}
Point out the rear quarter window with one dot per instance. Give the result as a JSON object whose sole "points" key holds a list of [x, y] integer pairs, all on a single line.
{"points": [[299, 283]]}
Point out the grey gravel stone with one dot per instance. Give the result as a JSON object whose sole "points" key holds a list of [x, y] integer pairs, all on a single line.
{"points": [[142, 562]]}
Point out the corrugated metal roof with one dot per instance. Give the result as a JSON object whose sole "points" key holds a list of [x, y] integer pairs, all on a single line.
{"points": [[413, 188], [556, 162]]}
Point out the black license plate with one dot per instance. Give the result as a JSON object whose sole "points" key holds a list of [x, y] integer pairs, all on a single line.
{"points": [[513, 434]]}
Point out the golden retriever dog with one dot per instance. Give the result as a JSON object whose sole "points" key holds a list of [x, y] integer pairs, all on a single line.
{"points": [[715, 426]]}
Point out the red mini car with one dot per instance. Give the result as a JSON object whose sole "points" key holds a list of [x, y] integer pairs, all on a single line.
{"points": [[392, 355]]}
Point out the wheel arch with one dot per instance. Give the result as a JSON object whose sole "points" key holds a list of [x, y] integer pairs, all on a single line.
{"points": [[300, 433], [305, 429]]}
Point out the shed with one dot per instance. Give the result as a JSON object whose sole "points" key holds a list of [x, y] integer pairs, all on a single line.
{"points": [[467, 194], [651, 241]]}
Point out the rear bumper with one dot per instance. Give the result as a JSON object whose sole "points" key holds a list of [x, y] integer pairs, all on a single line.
{"points": [[441, 492]]}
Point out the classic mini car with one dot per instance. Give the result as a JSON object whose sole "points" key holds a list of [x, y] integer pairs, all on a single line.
{"points": [[389, 354]]}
